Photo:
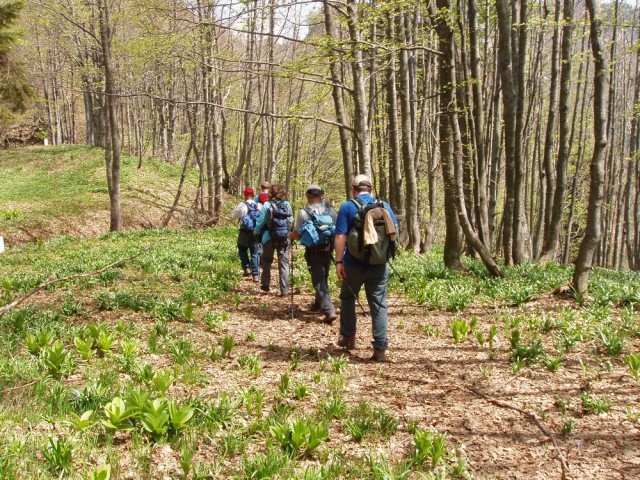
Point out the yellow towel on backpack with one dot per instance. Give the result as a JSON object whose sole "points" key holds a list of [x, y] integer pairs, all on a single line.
{"points": [[369, 231]]}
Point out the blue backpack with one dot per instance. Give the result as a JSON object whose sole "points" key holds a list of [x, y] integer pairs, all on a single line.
{"points": [[318, 232], [280, 223], [248, 221]]}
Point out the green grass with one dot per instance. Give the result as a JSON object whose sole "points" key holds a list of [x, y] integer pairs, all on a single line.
{"points": [[65, 184], [159, 330]]}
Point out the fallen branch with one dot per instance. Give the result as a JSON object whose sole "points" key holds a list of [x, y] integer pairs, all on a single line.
{"points": [[534, 419], [51, 280], [24, 385]]}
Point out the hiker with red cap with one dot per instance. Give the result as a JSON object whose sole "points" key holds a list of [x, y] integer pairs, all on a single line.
{"points": [[246, 213]]}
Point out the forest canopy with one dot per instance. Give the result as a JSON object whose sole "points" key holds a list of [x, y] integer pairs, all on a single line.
{"points": [[481, 123]]}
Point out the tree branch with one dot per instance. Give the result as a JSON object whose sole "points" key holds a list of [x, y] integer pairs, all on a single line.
{"points": [[531, 416], [50, 281]]}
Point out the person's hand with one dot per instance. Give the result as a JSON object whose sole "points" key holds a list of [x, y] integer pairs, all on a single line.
{"points": [[340, 273]]}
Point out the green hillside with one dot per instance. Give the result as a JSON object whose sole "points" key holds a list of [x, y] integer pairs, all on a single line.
{"points": [[147, 354], [51, 191]]}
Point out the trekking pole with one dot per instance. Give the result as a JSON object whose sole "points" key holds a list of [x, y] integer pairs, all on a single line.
{"points": [[354, 295], [401, 279], [291, 276]]}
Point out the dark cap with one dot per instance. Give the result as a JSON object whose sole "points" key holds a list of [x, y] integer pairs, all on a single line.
{"points": [[314, 190]]}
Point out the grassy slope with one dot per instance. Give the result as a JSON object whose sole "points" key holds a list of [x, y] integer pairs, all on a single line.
{"points": [[179, 300], [46, 192]]}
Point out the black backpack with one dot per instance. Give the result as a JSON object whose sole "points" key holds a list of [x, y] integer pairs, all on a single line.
{"points": [[280, 223], [378, 253]]}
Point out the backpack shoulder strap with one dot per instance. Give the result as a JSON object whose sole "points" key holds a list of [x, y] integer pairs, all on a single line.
{"points": [[310, 212], [361, 206]]}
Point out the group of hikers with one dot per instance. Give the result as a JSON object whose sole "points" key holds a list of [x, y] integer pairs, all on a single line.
{"points": [[362, 236]]}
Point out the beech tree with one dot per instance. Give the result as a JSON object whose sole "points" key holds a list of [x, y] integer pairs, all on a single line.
{"points": [[592, 235], [485, 152], [15, 91]]}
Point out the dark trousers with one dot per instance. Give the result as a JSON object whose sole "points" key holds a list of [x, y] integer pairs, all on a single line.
{"points": [[374, 278], [248, 251], [319, 266], [268, 252]]}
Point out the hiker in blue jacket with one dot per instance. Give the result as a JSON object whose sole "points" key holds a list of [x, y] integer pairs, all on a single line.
{"points": [[354, 274], [318, 253], [246, 213], [273, 228]]}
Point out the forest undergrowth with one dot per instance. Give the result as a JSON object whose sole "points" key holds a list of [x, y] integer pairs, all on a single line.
{"points": [[171, 365]]}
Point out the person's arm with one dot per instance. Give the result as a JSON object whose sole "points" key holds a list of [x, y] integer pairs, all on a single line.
{"points": [[300, 220], [393, 216], [239, 211], [340, 244], [261, 221]]}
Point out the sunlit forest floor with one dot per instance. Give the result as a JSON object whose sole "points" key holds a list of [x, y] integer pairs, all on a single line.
{"points": [[170, 364]]}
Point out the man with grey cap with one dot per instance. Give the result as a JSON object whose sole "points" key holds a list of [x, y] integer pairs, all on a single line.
{"points": [[318, 257], [354, 274]]}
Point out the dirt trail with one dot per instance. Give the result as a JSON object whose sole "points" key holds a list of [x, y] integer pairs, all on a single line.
{"points": [[464, 390]]}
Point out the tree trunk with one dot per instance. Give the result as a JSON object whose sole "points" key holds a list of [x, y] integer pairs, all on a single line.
{"points": [[112, 149], [593, 231], [411, 184], [480, 151], [547, 178], [449, 132], [338, 102], [509, 101], [360, 112], [519, 217], [551, 243], [395, 163]]}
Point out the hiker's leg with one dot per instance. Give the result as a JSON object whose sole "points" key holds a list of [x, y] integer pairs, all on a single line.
{"points": [[318, 265], [308, 261], [348, 293], [283, 267], [377, 277], [259, 249], [267, 259], [255, 257], [244, 257], [243, 247]]}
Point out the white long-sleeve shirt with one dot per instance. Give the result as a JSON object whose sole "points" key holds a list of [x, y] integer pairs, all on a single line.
{"points": [[241, 209]]}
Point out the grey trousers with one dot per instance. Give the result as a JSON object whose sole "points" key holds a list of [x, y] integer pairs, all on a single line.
{"points": [[319, 266], [375, 279], [268, 252]]}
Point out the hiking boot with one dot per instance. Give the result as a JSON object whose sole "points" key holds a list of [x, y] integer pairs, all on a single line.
{"points": [[264, 288], [247, 272], [255, 279], [379, 355], [329, 318], [314, 307], [347, 341]]}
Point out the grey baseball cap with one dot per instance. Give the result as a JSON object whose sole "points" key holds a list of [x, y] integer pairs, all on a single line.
{"points": [[314, 190], [361, 181]]}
